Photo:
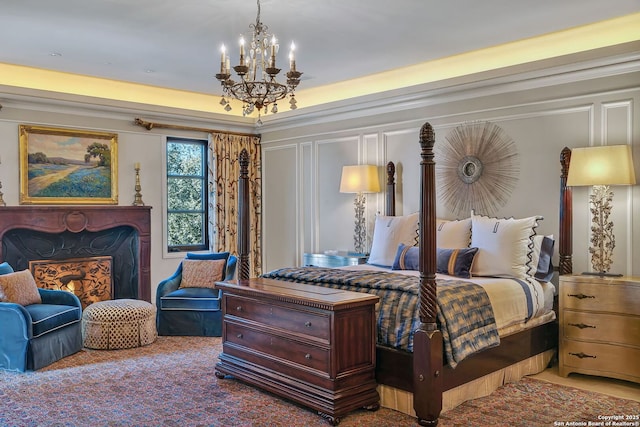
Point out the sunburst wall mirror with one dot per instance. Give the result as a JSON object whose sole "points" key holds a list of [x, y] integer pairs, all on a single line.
{"points": [[477, 167]]}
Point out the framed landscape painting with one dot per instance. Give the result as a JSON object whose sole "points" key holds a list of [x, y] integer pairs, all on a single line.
{"points": [[67, 166]]}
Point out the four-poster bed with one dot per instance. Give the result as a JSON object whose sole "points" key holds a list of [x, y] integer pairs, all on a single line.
{"points": [[422, 373]]}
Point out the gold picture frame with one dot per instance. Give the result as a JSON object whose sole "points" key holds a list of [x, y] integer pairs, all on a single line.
{"points": [[67, 166]]}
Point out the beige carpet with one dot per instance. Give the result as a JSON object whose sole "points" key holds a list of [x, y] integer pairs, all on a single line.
{"points": [[171, 383]]}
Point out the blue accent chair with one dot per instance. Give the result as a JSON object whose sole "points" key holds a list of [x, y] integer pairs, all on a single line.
{"points": [[36, 335], [191, 311]]}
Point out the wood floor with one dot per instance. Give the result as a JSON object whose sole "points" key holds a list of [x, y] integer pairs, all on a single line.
{"points": [[610, 386]]}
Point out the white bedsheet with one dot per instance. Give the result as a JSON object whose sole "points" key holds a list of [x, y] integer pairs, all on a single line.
{"points": [[507, 297]]}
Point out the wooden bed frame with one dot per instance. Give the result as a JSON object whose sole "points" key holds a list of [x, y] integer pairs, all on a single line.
{"points": [[422, 372]]}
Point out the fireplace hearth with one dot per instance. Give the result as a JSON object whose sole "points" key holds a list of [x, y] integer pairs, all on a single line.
{"points": [[37, 234]]}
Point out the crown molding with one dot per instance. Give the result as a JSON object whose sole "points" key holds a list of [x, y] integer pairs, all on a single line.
{"points": [[600, 63]]}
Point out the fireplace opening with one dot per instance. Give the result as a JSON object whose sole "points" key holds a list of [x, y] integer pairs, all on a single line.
{"points": [[85, 255], [87, 278]]}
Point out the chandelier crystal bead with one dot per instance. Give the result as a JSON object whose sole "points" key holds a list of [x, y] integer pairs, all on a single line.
{"points": [[257, 86]]}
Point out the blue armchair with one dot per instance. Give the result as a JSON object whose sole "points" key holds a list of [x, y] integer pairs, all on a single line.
{"points": [[36, 335], [191, 311]]}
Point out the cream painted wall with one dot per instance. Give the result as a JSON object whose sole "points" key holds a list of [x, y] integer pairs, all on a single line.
{"points": [[542, 115], [135, 144]]}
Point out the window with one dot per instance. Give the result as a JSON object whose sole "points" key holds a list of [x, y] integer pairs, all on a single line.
{"points": [[187, 201]]}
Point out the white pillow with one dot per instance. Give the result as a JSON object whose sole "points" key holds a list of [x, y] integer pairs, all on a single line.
{"points": [[505, 245], [388, 233], [455, 234]]}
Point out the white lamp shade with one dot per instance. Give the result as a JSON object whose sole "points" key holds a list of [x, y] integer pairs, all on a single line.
{"points": [[603, 165], [359, 179]]}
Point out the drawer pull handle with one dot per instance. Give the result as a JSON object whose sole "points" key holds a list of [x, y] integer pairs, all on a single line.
{"points": [[581, 325], [580, 296], [307, 324], [239, 335], [307, 356], [239, 308], [582, 355]]}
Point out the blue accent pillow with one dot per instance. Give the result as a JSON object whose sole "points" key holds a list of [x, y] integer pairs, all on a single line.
{"points": [[452, 262], [5, 268], [406, 258], [456, 262]]}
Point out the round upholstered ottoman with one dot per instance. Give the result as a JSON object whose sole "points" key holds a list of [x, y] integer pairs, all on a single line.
{"points": [[119, 323]]}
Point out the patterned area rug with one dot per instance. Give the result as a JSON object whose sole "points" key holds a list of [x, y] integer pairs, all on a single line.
{"points": [[171, 383]]}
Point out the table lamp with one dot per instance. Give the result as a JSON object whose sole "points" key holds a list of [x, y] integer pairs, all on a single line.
{"points": [[601, 167], [360, 179]]}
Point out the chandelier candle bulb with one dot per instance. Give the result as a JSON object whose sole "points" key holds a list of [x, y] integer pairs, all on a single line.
{"points": [[242, 51], [273, 46], [292, 58], [222, 60], [136, 165]]}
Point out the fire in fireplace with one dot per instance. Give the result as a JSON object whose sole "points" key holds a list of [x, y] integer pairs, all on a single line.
{"points": [[88, 278]]}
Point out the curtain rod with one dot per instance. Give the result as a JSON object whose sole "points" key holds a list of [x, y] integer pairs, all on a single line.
{"points": [[150, 125]]}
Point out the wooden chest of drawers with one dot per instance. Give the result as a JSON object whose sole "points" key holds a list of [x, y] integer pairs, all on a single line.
{"points": [[310, 344], [600, 326]]}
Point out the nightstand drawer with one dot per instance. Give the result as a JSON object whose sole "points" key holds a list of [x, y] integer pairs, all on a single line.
{"points": [[600, 297], [287, 350], [607, 328], [291, 320], [601, 359]]}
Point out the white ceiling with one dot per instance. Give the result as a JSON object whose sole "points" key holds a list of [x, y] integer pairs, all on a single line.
{"points": [[176, 43]]}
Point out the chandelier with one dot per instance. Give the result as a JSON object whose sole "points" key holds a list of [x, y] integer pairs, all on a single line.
{"points": [[258, 87]]}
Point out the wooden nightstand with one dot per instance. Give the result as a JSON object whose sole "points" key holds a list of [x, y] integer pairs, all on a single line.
{"points": [[600, 326], [340, 259]]}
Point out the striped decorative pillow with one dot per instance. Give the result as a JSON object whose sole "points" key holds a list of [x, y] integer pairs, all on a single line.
{"points": [[406, 258], [452, 262], [456, 262]]}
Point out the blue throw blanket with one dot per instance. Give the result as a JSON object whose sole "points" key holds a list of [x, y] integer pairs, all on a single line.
{"points": [[465, 315]]}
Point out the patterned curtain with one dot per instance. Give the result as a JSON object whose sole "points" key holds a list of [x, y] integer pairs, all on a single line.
{"points": [[224, 172]]}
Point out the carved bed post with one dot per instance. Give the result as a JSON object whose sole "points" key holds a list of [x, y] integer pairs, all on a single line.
{"points": [[390, 202], [566, 216], [243, 216], [427, 339]]}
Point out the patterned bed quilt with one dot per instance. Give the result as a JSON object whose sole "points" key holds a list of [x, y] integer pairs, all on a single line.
{"points": [[465, 315]]}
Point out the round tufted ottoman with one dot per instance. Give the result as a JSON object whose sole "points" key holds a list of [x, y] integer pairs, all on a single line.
{"points": [[119, 323]]}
